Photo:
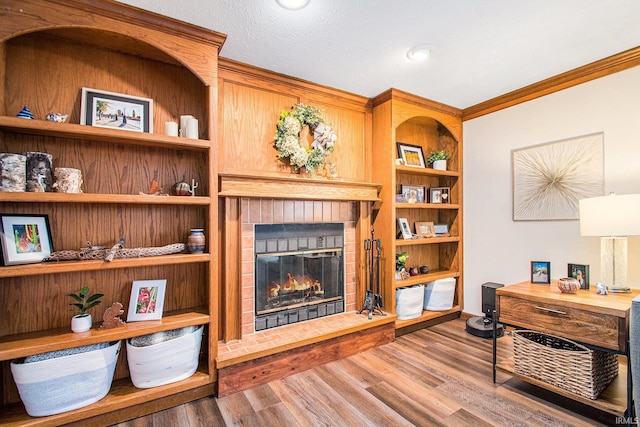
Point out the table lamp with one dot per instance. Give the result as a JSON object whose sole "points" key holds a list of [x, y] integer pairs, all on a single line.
{"points": [[613, 218]]}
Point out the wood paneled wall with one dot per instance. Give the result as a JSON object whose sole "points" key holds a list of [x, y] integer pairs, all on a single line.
{"points": [[250, 103]]}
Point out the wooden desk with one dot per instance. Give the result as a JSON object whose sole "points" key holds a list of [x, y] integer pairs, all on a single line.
{"points": [[598, 321]]}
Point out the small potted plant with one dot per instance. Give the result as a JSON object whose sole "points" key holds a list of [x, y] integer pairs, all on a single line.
{"points": [[81, 322], [439, 159], [401, 260]]}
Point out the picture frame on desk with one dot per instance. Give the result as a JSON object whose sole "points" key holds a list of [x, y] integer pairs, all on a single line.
{"points": [[541, 272], [580, 272], [26, 238], [412, 155]]}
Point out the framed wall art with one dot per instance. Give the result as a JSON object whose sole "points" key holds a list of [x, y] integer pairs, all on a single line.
{"points": [[412, 193], [147, 300], [412, 155], [549, 179], [580, 272], [541, 272], [405, 231], [25, 238], [425, 229], [116, 111]]}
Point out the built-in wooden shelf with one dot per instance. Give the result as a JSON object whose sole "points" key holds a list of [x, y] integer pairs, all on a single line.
{"points": [[427, 206], [412, 170], [123, 394], [426, 241], [426, 316], [111, 136], [424, 278], [25, 197], [22, 345], [92, 265], [296, 187]]}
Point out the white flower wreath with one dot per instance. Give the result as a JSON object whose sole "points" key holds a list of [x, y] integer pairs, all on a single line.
{"points": [[287, 137]]}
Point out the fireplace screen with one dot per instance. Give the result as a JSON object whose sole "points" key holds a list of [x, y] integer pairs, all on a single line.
{"points": [[299, 272]]}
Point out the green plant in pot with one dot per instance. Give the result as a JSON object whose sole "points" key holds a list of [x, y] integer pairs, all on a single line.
{"points": [[81, 322], [401, 260], [439, 159]]}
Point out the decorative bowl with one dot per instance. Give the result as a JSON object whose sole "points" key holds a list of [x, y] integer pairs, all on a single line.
{"points": [[568, 285], [57, 117]]}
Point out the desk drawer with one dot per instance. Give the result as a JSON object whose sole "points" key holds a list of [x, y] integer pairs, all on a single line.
{"points": [[579, 325]]}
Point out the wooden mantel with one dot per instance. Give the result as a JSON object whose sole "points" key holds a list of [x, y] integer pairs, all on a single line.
{"points": [[296, 187]]}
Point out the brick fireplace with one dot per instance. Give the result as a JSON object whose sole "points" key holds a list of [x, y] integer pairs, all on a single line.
{"points": [[259, 211]]}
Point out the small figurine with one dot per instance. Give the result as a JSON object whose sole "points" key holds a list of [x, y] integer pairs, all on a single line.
{"points": [[111, 317], [601, 288], [25, 113], [154, 190]]}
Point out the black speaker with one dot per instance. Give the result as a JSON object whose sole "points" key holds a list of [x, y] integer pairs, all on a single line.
{"points": [[482, 326], [489, 298]]}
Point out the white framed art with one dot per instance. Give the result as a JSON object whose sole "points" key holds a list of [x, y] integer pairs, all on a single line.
{"points": [[147, 300], [549, 179]]}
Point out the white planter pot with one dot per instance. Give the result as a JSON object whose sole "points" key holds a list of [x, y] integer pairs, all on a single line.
{"points": [[65, 383], [81, 322], [440, 165]]}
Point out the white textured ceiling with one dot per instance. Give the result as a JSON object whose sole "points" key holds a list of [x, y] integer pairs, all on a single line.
{"points": [[480, 48]]}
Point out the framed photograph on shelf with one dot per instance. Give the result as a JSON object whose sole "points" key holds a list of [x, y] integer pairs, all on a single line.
{"points": [[412, 193], [116, 111], [580, 272], [425, 229], [405, 231], [439, 195], [25, 238], [147, 300], [541, 272], [412, 155], [441, 230]]}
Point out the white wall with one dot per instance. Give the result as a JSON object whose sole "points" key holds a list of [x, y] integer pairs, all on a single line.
{"points": [[497, 249]]}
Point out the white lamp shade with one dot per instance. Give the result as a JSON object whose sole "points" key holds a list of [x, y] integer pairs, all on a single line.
{"points": [[610, 215]]}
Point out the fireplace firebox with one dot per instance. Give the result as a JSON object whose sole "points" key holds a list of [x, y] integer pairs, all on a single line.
{"points": [[299, 272]]}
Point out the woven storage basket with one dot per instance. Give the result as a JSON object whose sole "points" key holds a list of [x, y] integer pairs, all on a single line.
{"points": [[165, 362], [563, 363], [61, 384]]}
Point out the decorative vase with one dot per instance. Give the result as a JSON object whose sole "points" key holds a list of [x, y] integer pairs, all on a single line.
{"points": [[424, 269], [413, 271], [81, 322], [440, 165], [196, 241], [568, 285]]}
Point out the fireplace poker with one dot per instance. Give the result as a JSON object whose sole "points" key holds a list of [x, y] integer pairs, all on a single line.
{"points": [[369, 296], [372, 299]]}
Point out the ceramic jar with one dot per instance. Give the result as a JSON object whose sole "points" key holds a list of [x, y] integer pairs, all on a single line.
{"points": [[196, 241]]}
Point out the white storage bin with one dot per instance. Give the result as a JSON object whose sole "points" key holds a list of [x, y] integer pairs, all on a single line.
{"points": [[60, 384], [409, 302], [438, 295], [165, 362]]}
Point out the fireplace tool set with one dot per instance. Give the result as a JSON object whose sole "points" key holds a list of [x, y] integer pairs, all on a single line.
{"points": [[372, 300]]}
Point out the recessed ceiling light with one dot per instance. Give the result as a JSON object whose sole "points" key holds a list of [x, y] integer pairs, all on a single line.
{"points": [[419, 53], [293, 4]]}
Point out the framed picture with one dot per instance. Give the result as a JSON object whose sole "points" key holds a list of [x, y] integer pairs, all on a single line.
{"points": [[412, 193], [25, 238], [116, 111], [441, 230], [147, 300], [440, 195], [541, 272], [425, 229], [412, 155], [580, 272], [404, 228]]}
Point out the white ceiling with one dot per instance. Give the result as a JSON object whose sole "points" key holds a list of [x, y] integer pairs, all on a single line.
{"points": [[480, 48]]}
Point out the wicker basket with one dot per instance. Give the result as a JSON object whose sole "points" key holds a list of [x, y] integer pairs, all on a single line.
{"points": [[563, 363]]}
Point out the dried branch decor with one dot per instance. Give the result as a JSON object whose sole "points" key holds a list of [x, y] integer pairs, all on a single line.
{"points": [[117, 251]]}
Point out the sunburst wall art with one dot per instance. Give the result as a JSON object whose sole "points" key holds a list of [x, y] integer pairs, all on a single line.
{"points": [[550, 178]]}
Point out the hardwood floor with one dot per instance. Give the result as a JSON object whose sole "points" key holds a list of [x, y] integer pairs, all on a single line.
{"points": [[440, 376]]}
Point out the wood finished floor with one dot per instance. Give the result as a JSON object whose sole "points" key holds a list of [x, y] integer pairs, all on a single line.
{"points": [[439, 376]]}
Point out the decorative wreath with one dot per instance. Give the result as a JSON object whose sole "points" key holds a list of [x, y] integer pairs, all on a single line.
{"points": [[291, 125]]}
